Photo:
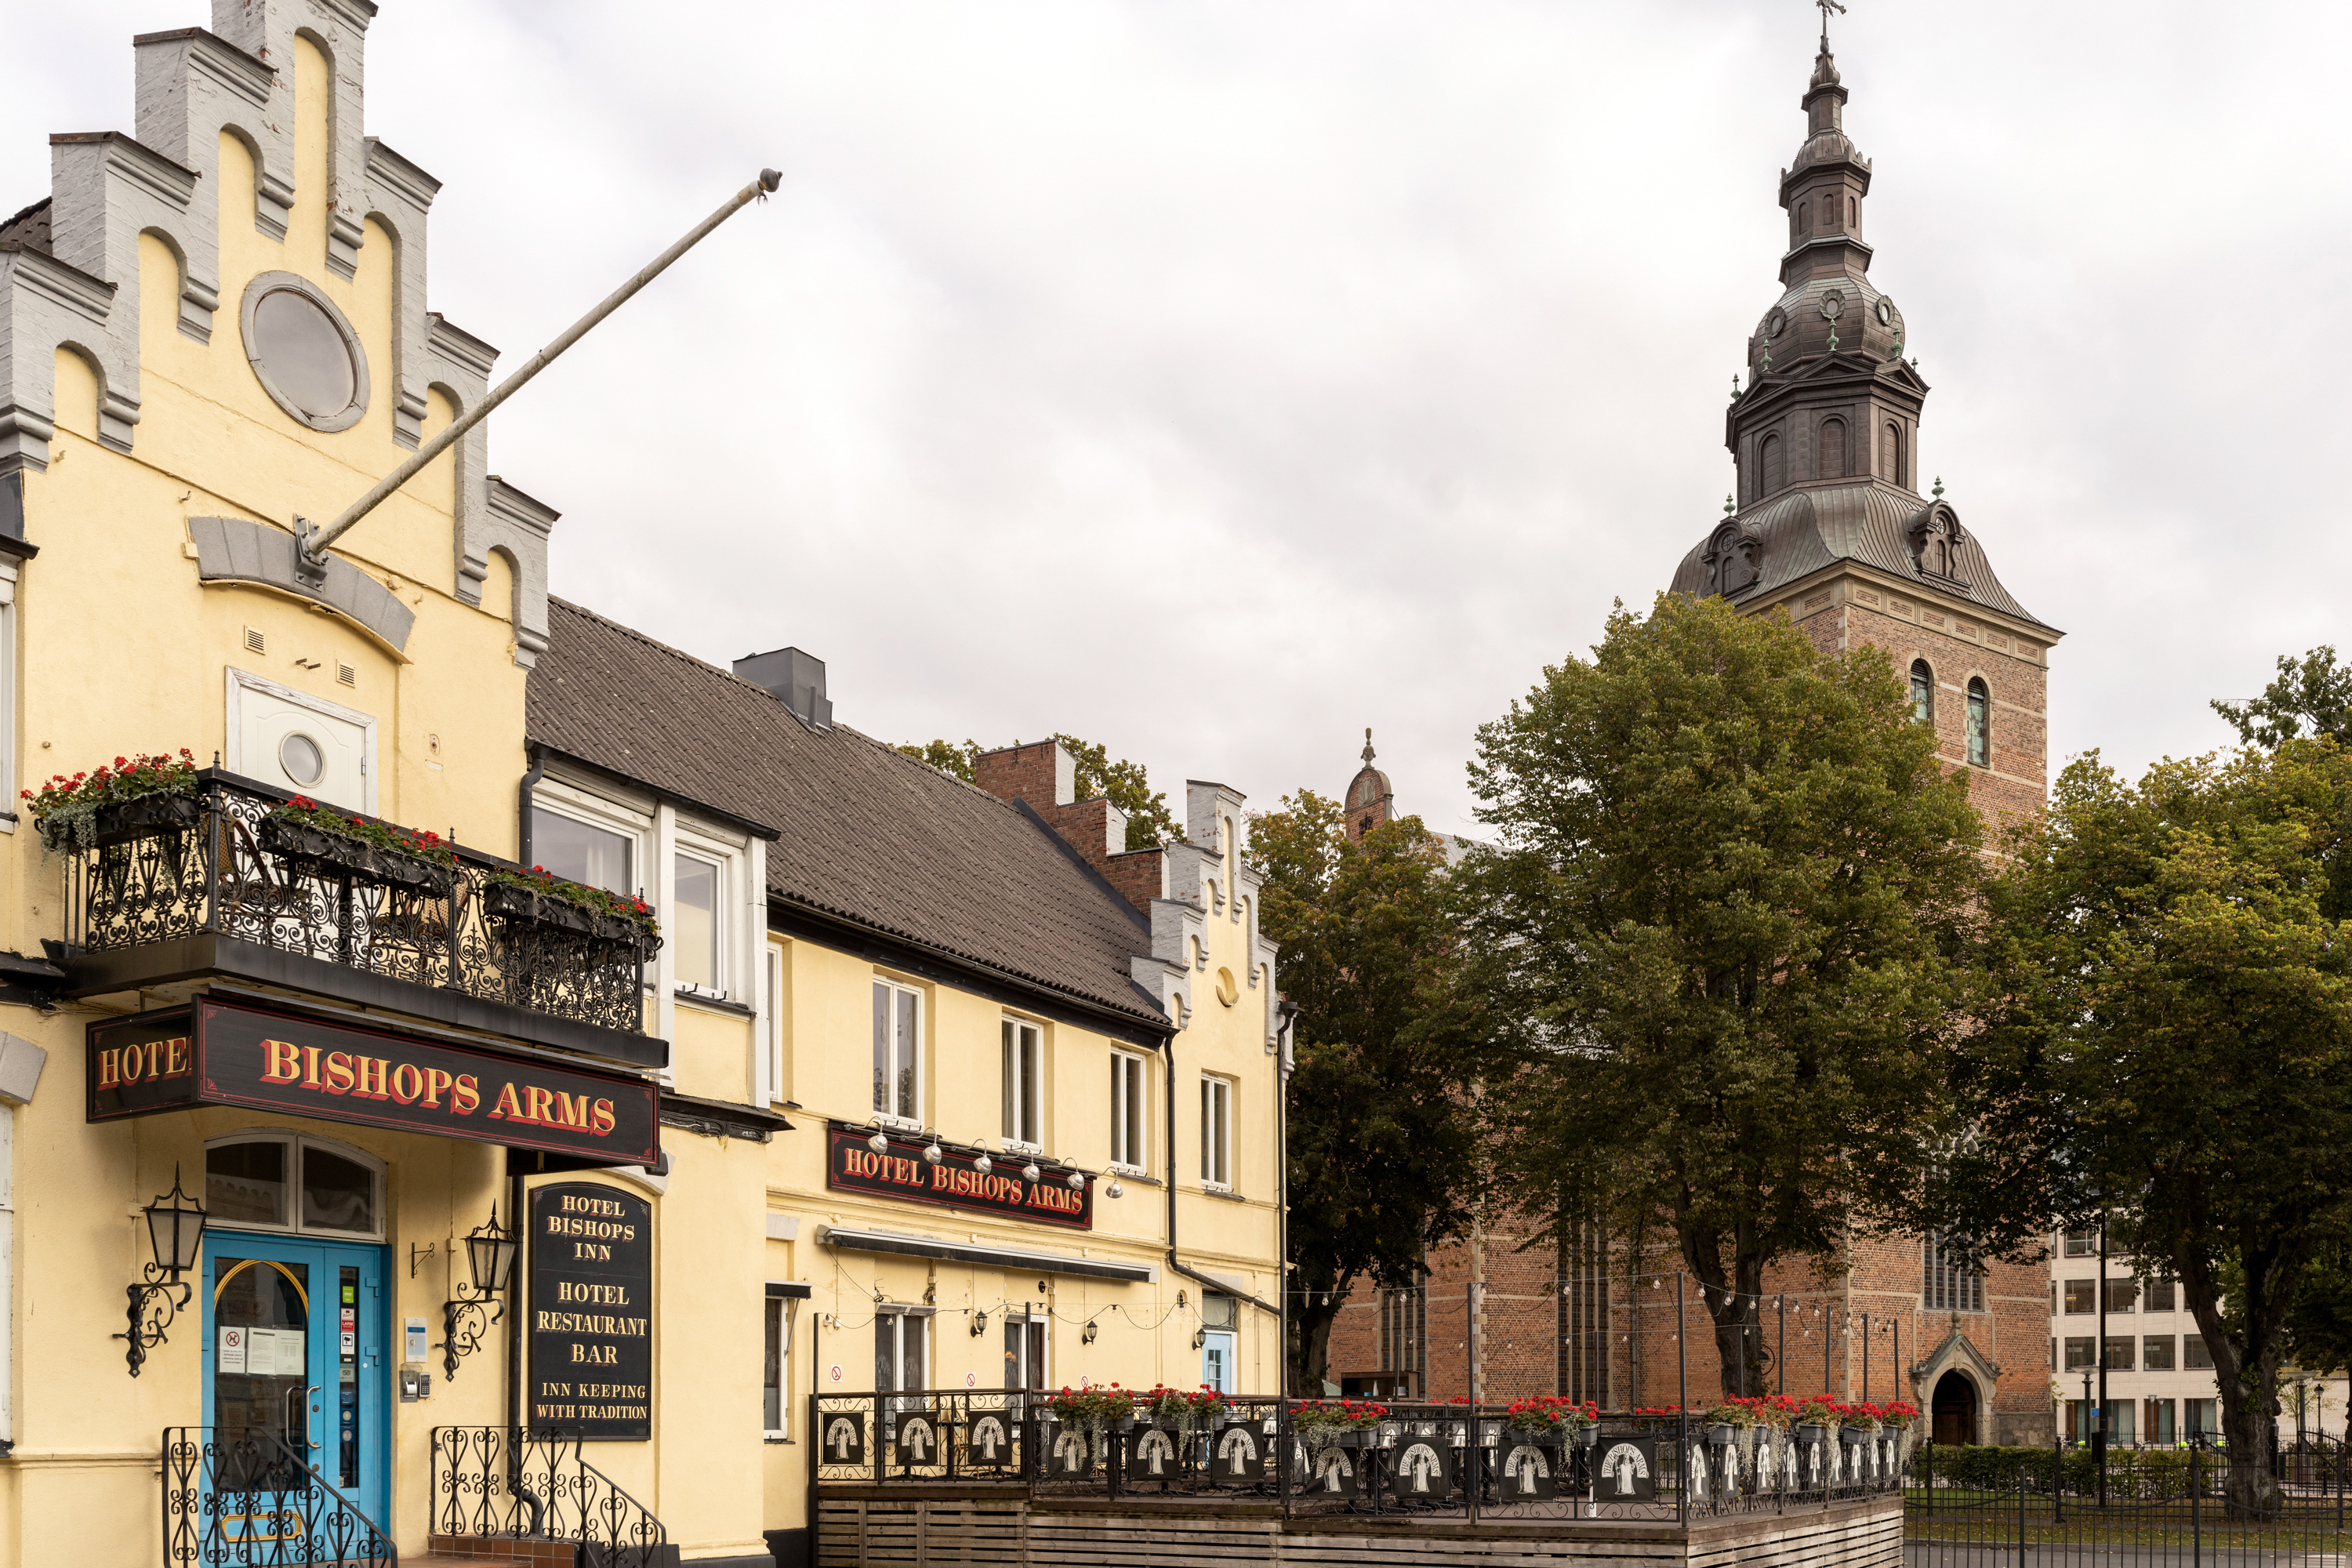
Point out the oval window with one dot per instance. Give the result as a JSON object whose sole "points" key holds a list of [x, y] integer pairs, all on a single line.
{"points": [[306, 355], [304, 762]]}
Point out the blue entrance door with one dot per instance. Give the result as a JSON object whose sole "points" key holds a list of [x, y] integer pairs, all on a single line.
{"points": [[295, 1391]]}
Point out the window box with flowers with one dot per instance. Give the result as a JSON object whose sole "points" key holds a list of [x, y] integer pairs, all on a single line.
{"points": [[1179, 1414], [1337, 1423], [137, 798], [539, 897], [319, 836], [1555, 1418]]}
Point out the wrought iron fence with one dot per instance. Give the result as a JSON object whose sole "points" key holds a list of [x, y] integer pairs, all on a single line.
{"points": [[1433, 1460], [252, 1502], [220, 862], [2146, 1507], [500, 1483]]}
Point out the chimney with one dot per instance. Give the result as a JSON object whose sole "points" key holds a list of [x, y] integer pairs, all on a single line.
{"points": [[796, 679], [1043, 772]]}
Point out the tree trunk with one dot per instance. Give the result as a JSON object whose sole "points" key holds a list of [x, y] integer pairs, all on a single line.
{"points": [[1308, 1357], [2245, 1376]]}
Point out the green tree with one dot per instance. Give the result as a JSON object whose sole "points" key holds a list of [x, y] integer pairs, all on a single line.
{"points": [[2311, 696], [1382, 1145], [1149, 822], [1730, 905], [2170, 1042], [947, 756]]}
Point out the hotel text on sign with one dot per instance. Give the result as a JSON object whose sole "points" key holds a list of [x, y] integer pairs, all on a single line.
{"points": [[215, 1054], [592, 1312], [852, 1165]]}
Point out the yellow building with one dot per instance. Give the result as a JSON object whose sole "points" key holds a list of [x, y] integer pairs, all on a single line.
{"points": [[367, 1053]]}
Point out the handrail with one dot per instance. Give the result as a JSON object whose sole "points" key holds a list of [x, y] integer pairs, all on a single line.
{"points": [[197, 1508], [486, 1479]]}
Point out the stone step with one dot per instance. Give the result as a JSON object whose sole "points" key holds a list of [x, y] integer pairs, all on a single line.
{"points": [[498, 1551]]}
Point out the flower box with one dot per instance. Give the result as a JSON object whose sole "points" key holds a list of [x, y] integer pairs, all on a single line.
{"points": [[314, 845], [1723, 1435], [1587, 1437], [508, 901], [1858, 1434], [144, 816], [1810, 1432]]}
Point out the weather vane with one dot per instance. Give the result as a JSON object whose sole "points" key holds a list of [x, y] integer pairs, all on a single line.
{"points": [[1827, 6]]}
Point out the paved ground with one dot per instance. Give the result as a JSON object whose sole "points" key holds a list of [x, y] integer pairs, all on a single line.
{"points": [[1985, 1554]]}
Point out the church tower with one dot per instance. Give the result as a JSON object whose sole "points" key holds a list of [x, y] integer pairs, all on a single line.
{"points": [[1830, 520], [1370, 800]]}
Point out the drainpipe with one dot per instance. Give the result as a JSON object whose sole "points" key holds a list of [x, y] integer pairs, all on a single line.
{"points": [[522, 803], [1287, 1011]]}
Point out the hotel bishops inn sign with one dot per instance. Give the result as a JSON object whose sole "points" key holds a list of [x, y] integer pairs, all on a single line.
{"points": [[957, 1180], [591, 1315], [211, 1053]]}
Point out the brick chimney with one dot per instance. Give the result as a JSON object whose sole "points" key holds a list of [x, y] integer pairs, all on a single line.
{"points": [[1044, 775]]}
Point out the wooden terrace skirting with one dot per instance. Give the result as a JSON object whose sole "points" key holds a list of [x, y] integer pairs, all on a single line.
{"points": [[887, 1528]]}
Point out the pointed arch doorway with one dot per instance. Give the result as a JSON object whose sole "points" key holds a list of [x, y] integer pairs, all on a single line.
{"points": [[1953, 1411]]}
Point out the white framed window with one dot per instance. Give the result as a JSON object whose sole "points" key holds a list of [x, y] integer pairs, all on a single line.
{"points": [[773, 1042], [902, 1336], [696, 922], [1131, 1107], [8, 708], [776, 1374], [289, 1182], [592, 854], [1025, 1352], [1025, 1085], [897, 1053], [1217, 1132]]}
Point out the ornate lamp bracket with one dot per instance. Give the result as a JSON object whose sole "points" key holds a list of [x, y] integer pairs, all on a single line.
{"points": [[464, 1321], [155, 1302]]}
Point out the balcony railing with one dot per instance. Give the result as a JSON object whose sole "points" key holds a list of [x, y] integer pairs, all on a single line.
{"points": [[165, 868]]}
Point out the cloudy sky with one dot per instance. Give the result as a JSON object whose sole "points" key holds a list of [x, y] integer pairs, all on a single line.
{"points": [[1218, 379]]}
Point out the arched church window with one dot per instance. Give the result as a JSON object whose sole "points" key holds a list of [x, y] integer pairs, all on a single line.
{"points": [[1805, 218], [1890, 452], [1923, 693], [1980, 724], [1833, 449], [1828, 211], [1852, 211], [1775, 473]]}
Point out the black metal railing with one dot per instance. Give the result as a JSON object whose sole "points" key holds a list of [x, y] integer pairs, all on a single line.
{"points": [[220, 862], [253, 1502], [1435, 1459], [500, 1483], [2152, 1507]]}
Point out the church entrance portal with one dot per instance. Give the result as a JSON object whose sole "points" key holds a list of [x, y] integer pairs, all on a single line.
{"points": [[1954, 1409]]}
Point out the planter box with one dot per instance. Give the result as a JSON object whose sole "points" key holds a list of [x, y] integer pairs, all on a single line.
{"points": [[1722, 1433], [1858, 1434], [366, 862], [1587, 1437], [510, 902], [1810, 1433], [144, 816]]}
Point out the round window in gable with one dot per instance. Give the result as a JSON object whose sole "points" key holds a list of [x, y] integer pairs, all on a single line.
{"points": [[304, 762], [306, 357]]}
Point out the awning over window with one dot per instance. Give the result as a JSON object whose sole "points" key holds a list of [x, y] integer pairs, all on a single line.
{"points": [[1020, 1259]]}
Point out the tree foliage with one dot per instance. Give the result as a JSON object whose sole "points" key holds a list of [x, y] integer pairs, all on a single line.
{"points": [[1382, 1144], [2169, 1041], [1149, 822], [2312, 696], [1729, 910]]}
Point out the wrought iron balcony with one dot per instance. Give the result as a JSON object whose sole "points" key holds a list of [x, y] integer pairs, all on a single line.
{"points": [[177, 887]]}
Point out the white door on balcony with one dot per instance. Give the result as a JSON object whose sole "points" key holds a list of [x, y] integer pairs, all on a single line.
{"points": [[300, 744]]}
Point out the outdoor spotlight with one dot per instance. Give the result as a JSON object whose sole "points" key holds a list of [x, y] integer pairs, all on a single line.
{"points": [[1029, 1171], [1078, 1181], [1115, 1190], [933, 1155], [879, 1143], [980, 1161]]}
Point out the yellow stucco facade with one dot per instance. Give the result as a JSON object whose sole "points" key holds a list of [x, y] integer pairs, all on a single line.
{"points": [[123, 634]]}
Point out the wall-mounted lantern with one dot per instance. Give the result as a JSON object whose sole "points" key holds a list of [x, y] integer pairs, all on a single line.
{"points": [[175, 1231], [490, 1258]]}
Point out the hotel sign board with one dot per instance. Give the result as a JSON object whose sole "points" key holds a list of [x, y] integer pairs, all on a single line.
{"points": [[592, 1312], [214, 1053], [851, 1165]]}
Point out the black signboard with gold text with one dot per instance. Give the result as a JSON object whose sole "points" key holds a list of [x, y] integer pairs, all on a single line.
{"points": [[955, 1181], [592, 1311], [213, 1053]]}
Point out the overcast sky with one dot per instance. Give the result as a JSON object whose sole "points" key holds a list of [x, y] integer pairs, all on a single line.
{"points": [[1216, 380]]}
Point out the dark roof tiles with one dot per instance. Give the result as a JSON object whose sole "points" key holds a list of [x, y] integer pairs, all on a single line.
{"points": [[865, 832]]}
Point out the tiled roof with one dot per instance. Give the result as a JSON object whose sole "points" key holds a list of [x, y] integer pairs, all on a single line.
{"points": [[867, 832], [29, 229]]}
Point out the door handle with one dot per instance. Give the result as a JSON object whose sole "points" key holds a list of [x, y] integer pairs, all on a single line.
{"points": [[308, 1440]]}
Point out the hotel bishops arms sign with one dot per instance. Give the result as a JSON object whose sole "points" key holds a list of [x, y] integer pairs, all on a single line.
{"points": [[955, 1180], [211, 1053]]}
